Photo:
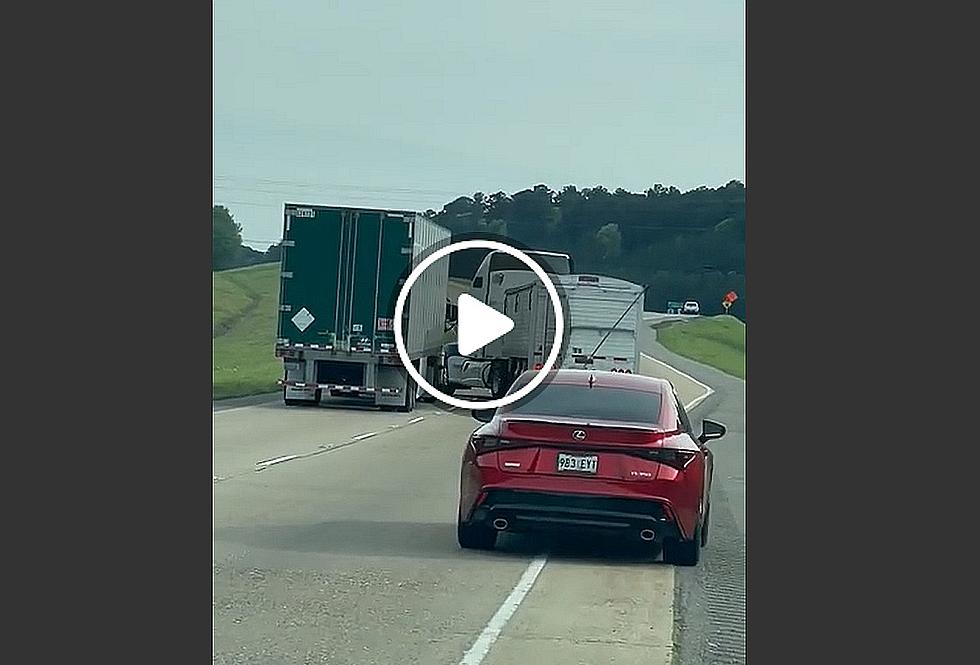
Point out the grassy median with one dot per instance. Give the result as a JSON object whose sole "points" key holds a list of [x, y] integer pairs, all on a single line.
{"points": [[243, 331], [718, 341]]}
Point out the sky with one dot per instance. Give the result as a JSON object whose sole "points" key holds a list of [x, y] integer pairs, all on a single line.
{"points": [[413, 104]]}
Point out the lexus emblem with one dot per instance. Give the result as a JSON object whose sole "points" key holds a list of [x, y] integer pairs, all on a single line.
{"points": [[578, 434]]}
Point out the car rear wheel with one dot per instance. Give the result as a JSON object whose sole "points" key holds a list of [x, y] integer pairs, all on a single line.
{"points": [[475, 536], [684, 552]]}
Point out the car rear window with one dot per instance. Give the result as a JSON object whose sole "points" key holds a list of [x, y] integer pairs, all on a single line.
{"points": [[573, 401]]}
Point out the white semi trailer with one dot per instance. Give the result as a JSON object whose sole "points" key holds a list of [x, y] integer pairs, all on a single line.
{"points": [[602, 318]]}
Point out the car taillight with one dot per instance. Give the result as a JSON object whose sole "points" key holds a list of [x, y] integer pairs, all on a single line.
{"points": [[677, 459]]}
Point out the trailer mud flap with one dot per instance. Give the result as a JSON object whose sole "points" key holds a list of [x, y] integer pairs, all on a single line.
{"points": [[390, 383]]}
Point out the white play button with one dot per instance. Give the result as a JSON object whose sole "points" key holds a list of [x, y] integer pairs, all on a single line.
{"points": [[478, 325]]}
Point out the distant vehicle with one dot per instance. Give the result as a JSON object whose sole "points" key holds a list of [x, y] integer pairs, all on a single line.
{"points": [[674, 307], [602, 317], [341, 270], [590, 452], [691, 307]]}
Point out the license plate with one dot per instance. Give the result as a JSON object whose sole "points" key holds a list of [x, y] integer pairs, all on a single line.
{"points": [[579, 463]]}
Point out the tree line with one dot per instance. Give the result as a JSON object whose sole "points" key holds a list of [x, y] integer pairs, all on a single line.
{"points": [[682, 245], [227, 250]]}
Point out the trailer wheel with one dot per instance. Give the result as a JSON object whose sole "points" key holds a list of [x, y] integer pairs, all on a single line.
{"points": [[498, 381], [432, 374]]}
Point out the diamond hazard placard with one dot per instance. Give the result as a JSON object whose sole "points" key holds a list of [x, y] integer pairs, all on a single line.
{"points": [[302, 319]]}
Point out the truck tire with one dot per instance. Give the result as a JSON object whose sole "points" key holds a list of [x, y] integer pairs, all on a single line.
{"points": [[432, 375], [497, 381]]}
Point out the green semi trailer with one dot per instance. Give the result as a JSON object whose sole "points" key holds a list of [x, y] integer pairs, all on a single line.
{"points": [[341, 271]]}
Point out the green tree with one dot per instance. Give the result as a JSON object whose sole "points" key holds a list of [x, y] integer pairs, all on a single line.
{"points": [[226, 238], [610, 240]]}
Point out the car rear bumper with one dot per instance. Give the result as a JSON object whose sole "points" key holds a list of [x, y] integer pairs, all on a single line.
{"points": [[528, 511]]}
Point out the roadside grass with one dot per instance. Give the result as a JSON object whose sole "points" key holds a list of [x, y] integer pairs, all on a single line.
{"points": [[243, 332], [718, 341]]}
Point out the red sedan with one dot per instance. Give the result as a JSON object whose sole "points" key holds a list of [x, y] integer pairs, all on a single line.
{"points": [[590, 451]]}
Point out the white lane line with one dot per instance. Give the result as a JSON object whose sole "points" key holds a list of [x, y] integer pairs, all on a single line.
{"points": [[360, 437], [237, 408], [476, 653], [245, 406], [695, 402], [278, 460], [687, 376], [416, 420], [708, 390]]}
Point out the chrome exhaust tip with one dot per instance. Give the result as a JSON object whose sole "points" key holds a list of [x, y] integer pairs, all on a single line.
{"points": [[500, 524], [647, 535]]}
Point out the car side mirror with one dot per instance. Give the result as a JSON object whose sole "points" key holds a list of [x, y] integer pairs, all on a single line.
{"points": [[483, 415], [711, 430]]}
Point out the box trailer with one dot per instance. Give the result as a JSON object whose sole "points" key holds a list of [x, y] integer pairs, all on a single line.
{"points": [[602, 318], [341, 272]]}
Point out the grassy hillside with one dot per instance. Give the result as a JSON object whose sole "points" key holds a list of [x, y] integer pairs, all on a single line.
{"points": [[243, 331], [718, 341]]}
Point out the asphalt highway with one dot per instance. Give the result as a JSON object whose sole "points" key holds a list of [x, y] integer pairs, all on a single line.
{"points": [[334, 542]]}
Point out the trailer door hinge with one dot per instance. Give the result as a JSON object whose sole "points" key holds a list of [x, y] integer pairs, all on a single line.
{"points": [[286, 275], [288, 243], [285, 308]]}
